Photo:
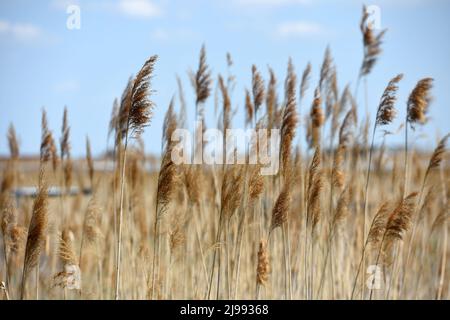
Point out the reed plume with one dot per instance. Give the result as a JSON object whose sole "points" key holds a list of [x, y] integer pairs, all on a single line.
{"points": [[48, 150], [249, 108], [416, 111], [167, 179], [66, 160], [375, 237], [280, 211], [397, 224], [326, 70], [316, 121], [8, 226], [90, 162], [140, 110], [399, 220], [91, 225], [438, 154], [304, 84], [288, 126], [169, 124], [372, 44], [263, 267], [202, 82], [418, 102], [183, 108], [226, 109], [385, 114], [337, 174], [257, 90], [37, 231], [70, 277], [122, 121], [255, 183], [386, 111], [13, 142], [271, 99], [66, 248], [434, 162], [231, 194], [65, 132]]}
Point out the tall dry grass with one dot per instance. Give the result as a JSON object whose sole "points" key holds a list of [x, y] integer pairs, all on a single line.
{"points": [[336, 212]]}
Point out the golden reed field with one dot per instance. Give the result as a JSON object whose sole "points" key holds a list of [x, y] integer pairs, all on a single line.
{"points": [[346, 218]]}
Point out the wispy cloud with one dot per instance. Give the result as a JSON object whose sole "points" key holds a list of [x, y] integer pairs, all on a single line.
{"points": [[291, 29], [139, 8], [143, 9], [20, 31]]}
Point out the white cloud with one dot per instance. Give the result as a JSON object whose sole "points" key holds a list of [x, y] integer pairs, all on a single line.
{"points": [[139, 8], [63, 4], [20, 31], [299, 29], [270, 3]]}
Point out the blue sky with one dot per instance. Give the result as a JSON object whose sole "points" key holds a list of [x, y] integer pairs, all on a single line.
{"points": [[42, 63]]}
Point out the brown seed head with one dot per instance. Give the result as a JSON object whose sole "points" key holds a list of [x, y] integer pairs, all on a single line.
{"points": [[418, 102]]}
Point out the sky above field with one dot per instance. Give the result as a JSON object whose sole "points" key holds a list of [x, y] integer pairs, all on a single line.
{"points": [[43, 63]]}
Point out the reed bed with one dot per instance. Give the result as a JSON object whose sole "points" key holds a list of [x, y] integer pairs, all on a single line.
{"points": [[344, 218]]}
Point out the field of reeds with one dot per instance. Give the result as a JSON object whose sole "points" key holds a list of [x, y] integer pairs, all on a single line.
{"points": [[346, 217]]}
